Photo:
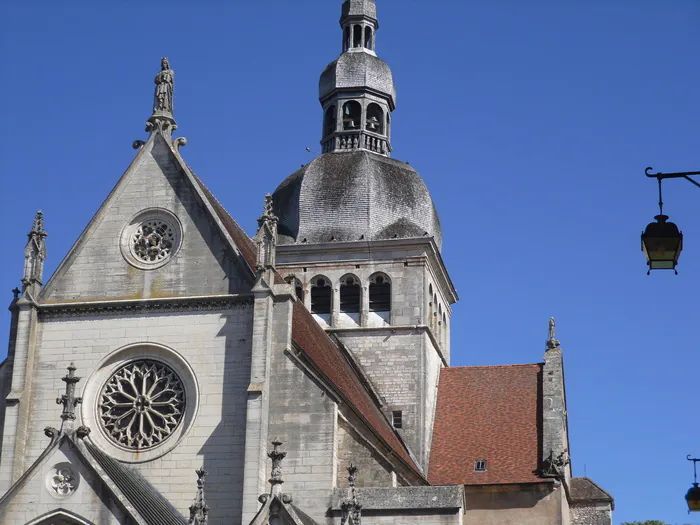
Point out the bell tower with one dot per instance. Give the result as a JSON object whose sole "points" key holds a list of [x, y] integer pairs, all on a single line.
{"points": [[356, 91]]}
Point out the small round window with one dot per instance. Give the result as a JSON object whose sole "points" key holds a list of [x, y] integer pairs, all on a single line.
{"points": [[151, 239]]}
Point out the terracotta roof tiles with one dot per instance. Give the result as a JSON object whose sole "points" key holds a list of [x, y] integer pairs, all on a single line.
{"points": [[487, 413]]}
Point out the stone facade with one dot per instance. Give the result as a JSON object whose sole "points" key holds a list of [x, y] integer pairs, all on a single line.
{"points": [[195, 347]]}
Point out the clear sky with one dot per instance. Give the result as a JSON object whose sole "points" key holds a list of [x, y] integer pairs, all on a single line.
{"points": [[531, 122]]}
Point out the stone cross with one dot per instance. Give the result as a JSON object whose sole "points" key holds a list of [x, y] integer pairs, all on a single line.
{"points": [[69, 400], [199, 510]]}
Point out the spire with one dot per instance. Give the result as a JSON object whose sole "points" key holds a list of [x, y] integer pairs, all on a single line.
{"points": [[34, 255], [351, 507], [552, 342], [199, 510], [357, 90], [162, 119], [266, 238]]}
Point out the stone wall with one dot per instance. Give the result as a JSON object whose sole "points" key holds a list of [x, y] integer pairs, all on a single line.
{"points": [[215, 344], [591, 514], [521, 504], [373, 471]]}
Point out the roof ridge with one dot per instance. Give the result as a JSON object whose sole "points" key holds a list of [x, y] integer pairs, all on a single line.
{"points": [[490, 366]]}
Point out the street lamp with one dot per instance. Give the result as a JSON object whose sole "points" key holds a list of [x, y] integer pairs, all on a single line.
{"points": [[693, 495], [662, 241]]}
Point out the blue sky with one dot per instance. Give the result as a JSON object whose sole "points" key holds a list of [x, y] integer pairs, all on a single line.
{"points": [[531, 123]]}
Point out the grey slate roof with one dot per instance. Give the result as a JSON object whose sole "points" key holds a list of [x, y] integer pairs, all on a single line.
{"points": [[583, 490], [354, 196], [360, 8], [357, 69], [149, 503]]}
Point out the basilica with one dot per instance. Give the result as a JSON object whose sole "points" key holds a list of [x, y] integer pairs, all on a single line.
{"points": [[298, 377]]}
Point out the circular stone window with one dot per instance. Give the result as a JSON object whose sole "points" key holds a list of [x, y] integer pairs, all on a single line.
{"points": [[142, 404], [151, 239]]}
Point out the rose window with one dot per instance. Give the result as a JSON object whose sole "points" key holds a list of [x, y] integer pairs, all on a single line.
{"points": [[142, 404], [153, 241]]}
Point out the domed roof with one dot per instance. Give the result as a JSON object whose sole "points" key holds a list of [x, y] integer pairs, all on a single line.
{"points": [[353, 196], [357, 70]]}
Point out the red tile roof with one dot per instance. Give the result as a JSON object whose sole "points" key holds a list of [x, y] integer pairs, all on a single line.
{"points": [[487, 413], [323, 352]]}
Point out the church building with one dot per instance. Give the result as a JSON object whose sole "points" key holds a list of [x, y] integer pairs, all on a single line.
{"points": [[298, 377]]}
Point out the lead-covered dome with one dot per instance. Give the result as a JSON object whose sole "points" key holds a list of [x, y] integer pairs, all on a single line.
{"points": [[359, 70], [354, 196]]}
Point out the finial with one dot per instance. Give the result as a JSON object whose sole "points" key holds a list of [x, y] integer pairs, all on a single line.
{"points": [[199, 510], [69, 400], [351, 507], [552, 341], [276, 475], [16, 291], [162, 119], [38, 225], [268, 214]]}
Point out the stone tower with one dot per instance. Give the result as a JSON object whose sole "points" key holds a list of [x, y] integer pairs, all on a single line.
{"points": [[360, 238]]}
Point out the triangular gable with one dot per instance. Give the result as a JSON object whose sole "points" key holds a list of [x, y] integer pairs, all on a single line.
{"points": [[96, 267], [64, 479], [73, 476], [280, 507]]}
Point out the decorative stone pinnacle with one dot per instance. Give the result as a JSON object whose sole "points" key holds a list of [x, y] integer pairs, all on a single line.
{"points": [[268, 213], [38, 226], [16, 291], [351, 507], [552, 341], [69, 400], [162, 119], [199, 510], [276, 455]]}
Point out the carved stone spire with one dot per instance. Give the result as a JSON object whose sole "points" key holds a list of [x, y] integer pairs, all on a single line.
{"points": [[69, 400], [276, 481], [552, 342], [162, 119], [199, 510], [34, 255], [266, 238], [351, 507]]}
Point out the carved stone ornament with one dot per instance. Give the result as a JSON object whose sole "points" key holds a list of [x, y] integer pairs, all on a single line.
{"points": [[152, 239], [553, 466], [142, 404], [63, 481]]}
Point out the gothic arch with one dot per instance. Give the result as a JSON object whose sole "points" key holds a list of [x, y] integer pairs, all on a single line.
{"points": [[59, 517]]}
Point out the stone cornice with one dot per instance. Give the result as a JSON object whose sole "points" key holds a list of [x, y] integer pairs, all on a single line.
{"points": [[159, 305]]}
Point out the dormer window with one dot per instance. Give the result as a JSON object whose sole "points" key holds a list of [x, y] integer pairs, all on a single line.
{"points": [[480, 465]]}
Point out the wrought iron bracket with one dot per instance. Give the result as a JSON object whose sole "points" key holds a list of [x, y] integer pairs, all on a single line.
{"points": [[680, 175]]}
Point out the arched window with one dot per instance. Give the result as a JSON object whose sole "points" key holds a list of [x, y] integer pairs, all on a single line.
{"points": [[350, 293], [430, 305], [346, 39], [368, 37], [329, 121], [433, 320], [352, 114], [375, 119], [444, 330], [379, 293], [357, 36], [320, 295], [299, 290]]}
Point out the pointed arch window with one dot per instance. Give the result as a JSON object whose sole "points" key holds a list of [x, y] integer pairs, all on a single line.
{"points": [[375, 119], [352, 114], [320, 295], [379, 293], [350, 294]]}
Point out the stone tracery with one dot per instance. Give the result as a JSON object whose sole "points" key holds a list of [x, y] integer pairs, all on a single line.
{"points": [[142, 404]]}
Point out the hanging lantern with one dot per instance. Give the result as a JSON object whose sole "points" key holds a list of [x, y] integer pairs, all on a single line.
{"points": [[662, 243], [692, 497]]}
